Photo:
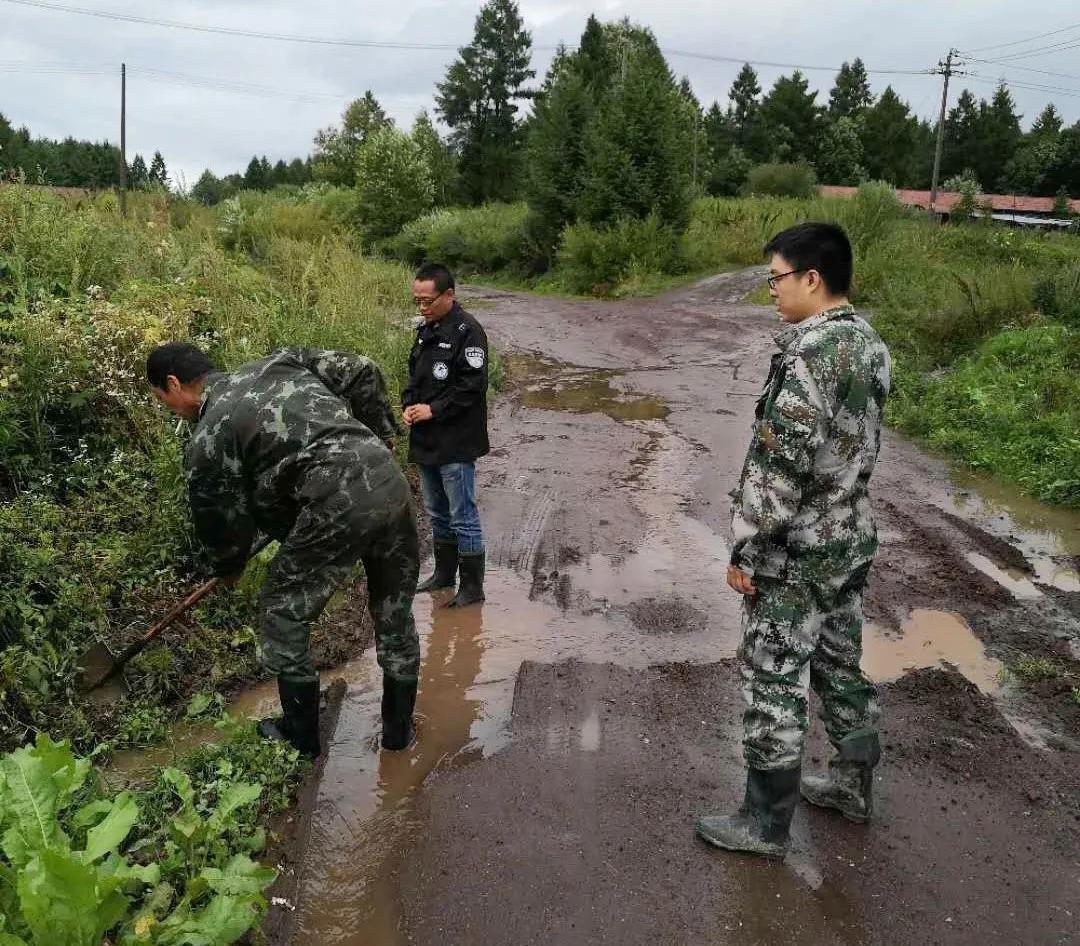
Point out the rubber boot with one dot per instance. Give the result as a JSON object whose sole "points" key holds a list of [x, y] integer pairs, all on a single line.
{"points": [[299, 722], [446, 566], [762, 825], [849, 786], [471, 587], [398, 701]]}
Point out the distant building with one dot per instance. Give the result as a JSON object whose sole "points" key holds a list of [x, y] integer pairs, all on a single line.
{"points": [[1012, 209]]}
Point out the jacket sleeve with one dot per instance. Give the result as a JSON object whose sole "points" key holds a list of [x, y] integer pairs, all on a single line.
{"points": [[220, 502], [779, 464], [409, 394], [470, 376], [358, 382]]}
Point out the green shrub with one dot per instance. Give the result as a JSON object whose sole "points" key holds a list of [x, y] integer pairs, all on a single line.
{"points": [[469, 240], [597, 259], [782, 180]]}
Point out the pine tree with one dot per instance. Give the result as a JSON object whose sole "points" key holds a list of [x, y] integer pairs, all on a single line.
{"points": [[595, 58], [999, 136], [255, 176], [138, 175], [477, 100], [850, 95], [555, 156], [638, 145], [890, 136], [791, 118], [158, 174], [743, 113], [961, 140], [1048, 124]]}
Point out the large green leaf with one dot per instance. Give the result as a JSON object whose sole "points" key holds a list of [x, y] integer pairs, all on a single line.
{"points": [[181, 784], [235, 796], [110, 833], [241, 875], [38, 783], [222, 922], [65, 901]]}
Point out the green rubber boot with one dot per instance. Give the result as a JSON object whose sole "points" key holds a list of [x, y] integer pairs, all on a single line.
{"points": [[446, 566], [762, 825], [471, 587], [849, 786], [299, 722]]}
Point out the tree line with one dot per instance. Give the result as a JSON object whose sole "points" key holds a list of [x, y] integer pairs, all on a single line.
{"points": [[71, 163], [610, 130]]}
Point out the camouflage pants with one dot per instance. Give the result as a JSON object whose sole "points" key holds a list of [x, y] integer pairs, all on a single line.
{"points": [[797, 637], [354, 524]]}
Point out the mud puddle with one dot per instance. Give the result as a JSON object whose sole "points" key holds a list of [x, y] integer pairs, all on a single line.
{"points": [[365, 813], [1047, 536], [929, 639], [553, 386]]}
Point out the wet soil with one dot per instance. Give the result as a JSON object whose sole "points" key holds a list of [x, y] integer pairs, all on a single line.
{"points": [[573, 726]]}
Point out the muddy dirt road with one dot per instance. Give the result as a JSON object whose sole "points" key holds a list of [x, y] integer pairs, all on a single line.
{"points": [[573, 727]]}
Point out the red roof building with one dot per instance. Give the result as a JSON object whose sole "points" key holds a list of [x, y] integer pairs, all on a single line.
{"points": [[946, 200]]}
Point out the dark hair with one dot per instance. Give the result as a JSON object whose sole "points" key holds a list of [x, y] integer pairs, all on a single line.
{"points": [[438, 274], [821, 246], [181, 359]]}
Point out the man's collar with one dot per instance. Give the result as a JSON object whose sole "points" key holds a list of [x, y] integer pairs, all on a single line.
{"points": [[213, 380], [785, 338], [455, 309]]}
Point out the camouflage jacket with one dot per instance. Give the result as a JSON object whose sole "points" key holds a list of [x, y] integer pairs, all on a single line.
{"points": [[801, 510], [277, 434]]}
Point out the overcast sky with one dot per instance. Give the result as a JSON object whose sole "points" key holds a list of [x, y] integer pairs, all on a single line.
{"points": [[220, 127]]}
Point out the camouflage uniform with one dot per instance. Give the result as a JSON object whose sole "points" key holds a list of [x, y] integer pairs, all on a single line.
{"points": [[801, 525], [294, 446]]}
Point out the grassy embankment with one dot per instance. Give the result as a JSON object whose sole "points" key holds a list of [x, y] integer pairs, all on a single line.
{"points": [[95, 542]]}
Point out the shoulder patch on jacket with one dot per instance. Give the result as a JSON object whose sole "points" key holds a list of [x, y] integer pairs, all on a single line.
{"points": [[475, 357]]}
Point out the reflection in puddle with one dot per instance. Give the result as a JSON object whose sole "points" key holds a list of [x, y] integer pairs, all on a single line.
{"points": [[550, 386], [1012, 579], [1048, 536], [929, 639], [366, 815]]}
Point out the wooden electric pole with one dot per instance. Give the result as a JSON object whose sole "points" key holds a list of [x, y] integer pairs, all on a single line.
{"points": [[123, 139], [945, 69]]}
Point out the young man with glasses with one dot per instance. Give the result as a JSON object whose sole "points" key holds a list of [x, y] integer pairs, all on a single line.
{"points": [[445, 409], [803, 542]]}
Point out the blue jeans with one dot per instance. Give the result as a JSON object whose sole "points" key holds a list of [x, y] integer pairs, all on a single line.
{"points": [[450, 499]]}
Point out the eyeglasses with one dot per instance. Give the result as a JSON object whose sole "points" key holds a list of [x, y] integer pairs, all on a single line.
{"points": [[424, 303], [773, 280]]}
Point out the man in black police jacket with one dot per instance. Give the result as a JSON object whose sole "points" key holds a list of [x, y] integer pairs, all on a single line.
{"points": [[445, 409]]}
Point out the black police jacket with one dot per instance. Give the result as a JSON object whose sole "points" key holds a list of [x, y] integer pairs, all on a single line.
{"points": [[448, 369]]}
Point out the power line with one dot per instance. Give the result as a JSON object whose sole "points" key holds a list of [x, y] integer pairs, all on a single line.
{"points": [[1039, 51], [1020, 84], [1030, 39], [369, 44], [1058, 75]]}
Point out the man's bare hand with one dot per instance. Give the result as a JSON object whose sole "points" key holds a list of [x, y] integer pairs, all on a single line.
{"points": [[740, 581], [416, 414]]}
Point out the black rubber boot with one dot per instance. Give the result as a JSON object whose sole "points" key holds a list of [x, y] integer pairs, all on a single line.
{"points": [[299, 722], [471, 588], [762, 825], [446, 566], [849, 786], [398, 701]]}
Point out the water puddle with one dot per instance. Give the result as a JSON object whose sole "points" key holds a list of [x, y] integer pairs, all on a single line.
{"points": [[929, 639], [1048, 536], [1012, 579], [551, 386], [367, 814]]}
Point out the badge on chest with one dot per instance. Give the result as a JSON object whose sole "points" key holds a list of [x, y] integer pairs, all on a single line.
{"points": [[441, 370]]}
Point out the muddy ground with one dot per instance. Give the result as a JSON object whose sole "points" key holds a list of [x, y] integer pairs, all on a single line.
{"points": [[573, 727]]}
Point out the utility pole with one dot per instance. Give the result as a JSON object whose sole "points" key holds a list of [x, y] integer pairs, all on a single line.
{"points": [[123, 139], [945, 69]]}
